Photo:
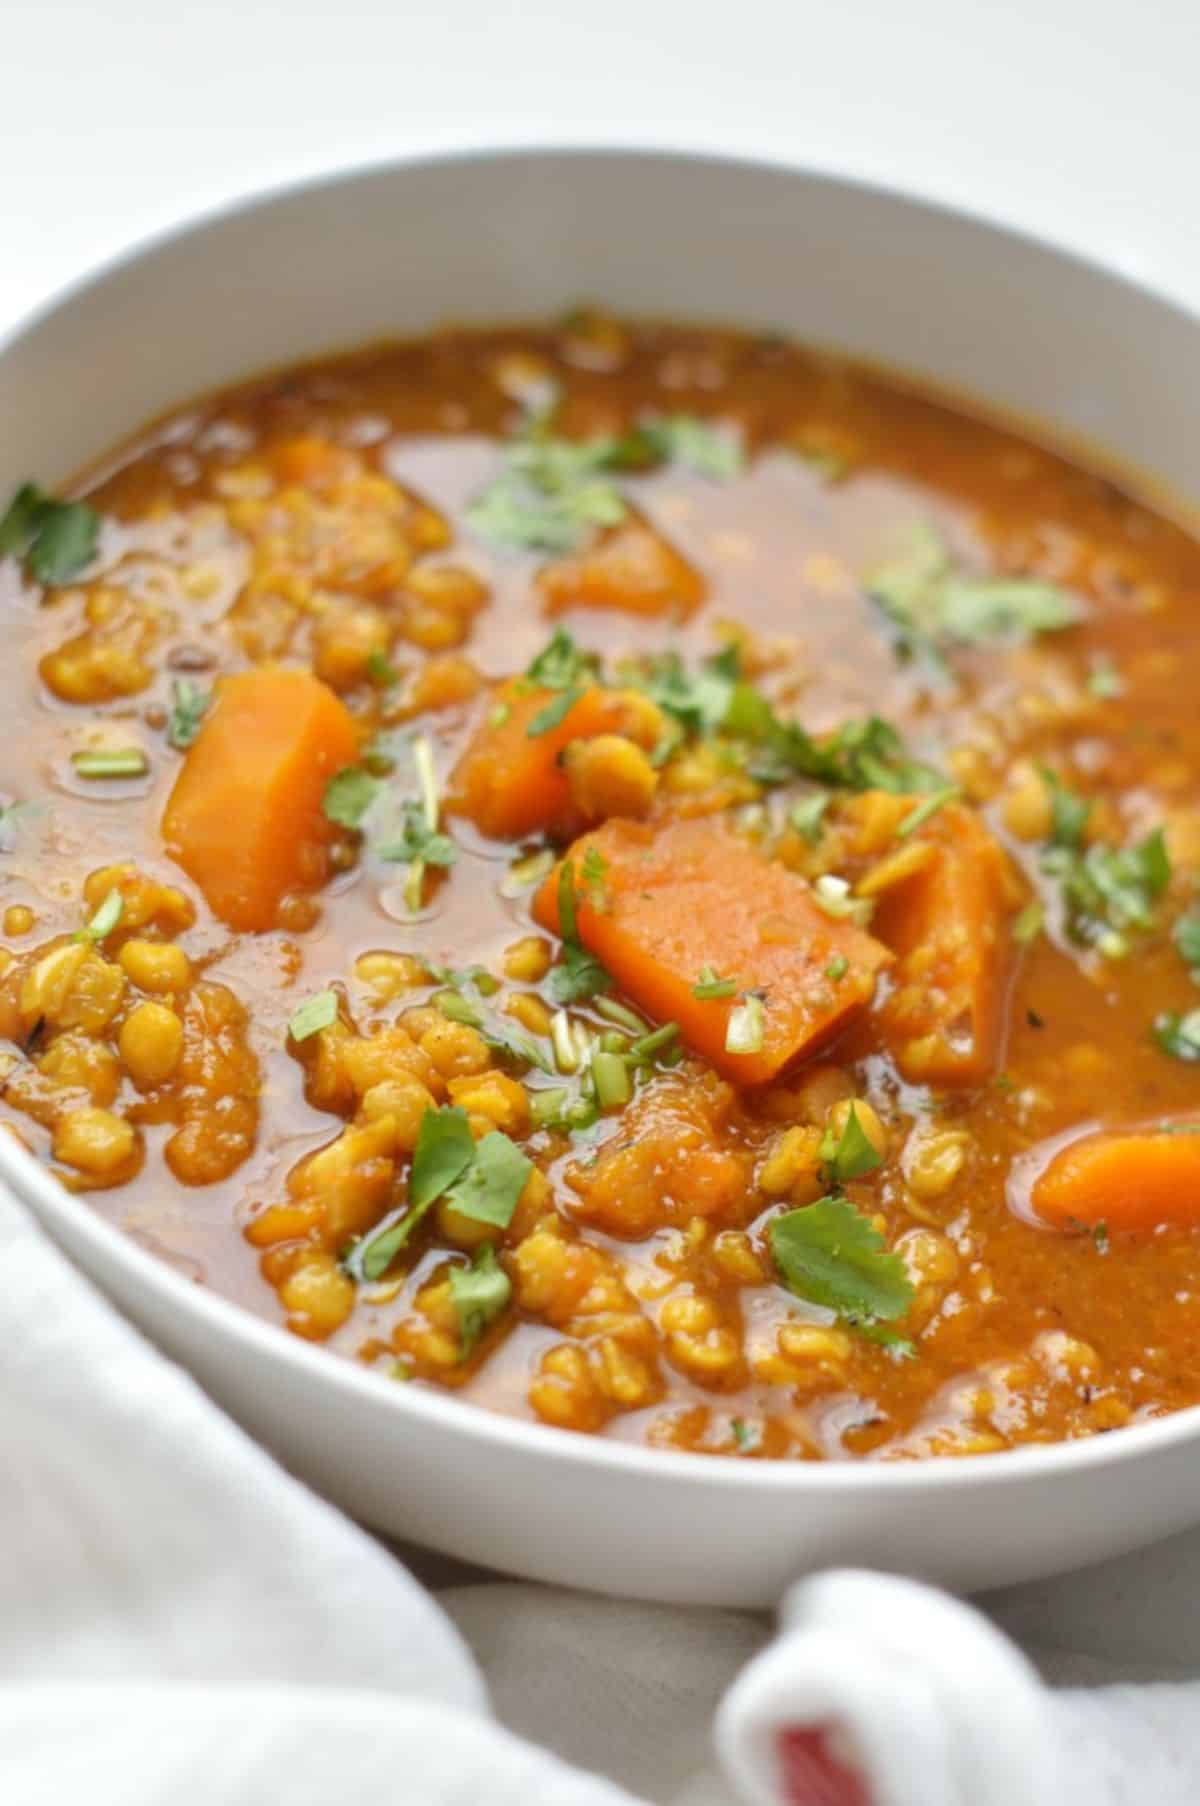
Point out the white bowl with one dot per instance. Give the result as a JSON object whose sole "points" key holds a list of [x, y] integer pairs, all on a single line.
{"points": [[482, 236]]}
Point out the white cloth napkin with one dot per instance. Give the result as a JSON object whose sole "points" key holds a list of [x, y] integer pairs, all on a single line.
{"points": [[182, 1623]]}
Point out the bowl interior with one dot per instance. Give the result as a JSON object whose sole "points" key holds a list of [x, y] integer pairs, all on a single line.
{"points": [[482, 237]]}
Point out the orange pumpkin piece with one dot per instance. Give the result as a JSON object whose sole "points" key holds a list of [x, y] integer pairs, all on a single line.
{"points": [[948, 925], [1136, 1179], [630, 567], [244, 819], [693, 895], [510, 781]]}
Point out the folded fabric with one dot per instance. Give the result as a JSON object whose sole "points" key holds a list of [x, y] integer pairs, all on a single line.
{"points": [[882, 1692], [181, 1622]]}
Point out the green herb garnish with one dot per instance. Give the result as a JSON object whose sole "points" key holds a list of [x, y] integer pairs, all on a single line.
{"points": [[349, 795], [189, 704], [56, 539], [1108, 891], [550, 492], [1186, 936], [577, 975], [313, 1015], [698, 445], [849, 1155], [1179, 1035], [933, 604], [381, 670], [479, 1293], [832, 1255], [807, 816], [837, 968]]}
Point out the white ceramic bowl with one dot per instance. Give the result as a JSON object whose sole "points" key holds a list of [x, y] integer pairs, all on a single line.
{"points": [[483, 236]]}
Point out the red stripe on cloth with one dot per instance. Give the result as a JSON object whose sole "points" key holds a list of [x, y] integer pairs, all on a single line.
{"points": [[810, 1773]]}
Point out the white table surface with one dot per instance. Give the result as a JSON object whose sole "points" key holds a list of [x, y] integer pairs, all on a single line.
{"points": [[1077, 119]]}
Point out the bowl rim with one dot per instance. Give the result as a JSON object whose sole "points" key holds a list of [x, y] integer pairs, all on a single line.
{"points": [[240, 1328]]}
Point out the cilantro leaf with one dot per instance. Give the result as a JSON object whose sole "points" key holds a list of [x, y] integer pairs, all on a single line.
{"points": [[1109, 890], [488, 1189], [1186, 935], [554, 713], [850, 1154], [562, 664], [445, 1148], [1179, 1035], [189, 704], [576, 975], [416, 840], [549, 494], [933, 604], [698, 445], [479, 1293], [806, 815], [1068, 811], [348, 796], [831, 1254], [56, 539]]}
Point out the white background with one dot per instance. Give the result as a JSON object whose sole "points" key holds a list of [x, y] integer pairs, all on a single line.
{"points": [[1077, 119]]}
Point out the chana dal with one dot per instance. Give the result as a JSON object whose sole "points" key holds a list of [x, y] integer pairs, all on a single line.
{"points": [[642, 874]]}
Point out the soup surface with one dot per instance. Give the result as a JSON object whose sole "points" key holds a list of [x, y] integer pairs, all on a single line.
{"points": [[639, 873]]}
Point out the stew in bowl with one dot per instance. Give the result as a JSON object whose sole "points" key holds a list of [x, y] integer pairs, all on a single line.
{"points": [[643, 874]]}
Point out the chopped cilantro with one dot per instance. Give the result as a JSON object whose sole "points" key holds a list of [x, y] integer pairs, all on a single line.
{"points": [[1186, 935], [1105, 681], [381, 670], [348, 796], [807, 815], [550, 492], [313, 1015], [832, 1255], [445, 1148], [697, 444], [562, 664], [56, 539], [189, 703], [479, 1294], [595, 875], [933, 604], [576, 976], [837, 968], [416, 841], [554, 713], [709, 985], [1179, 1035], [1109, 890], [748, 1436], [496, 1030], [1068, 811], [851, 1154], [487, 1190]]}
